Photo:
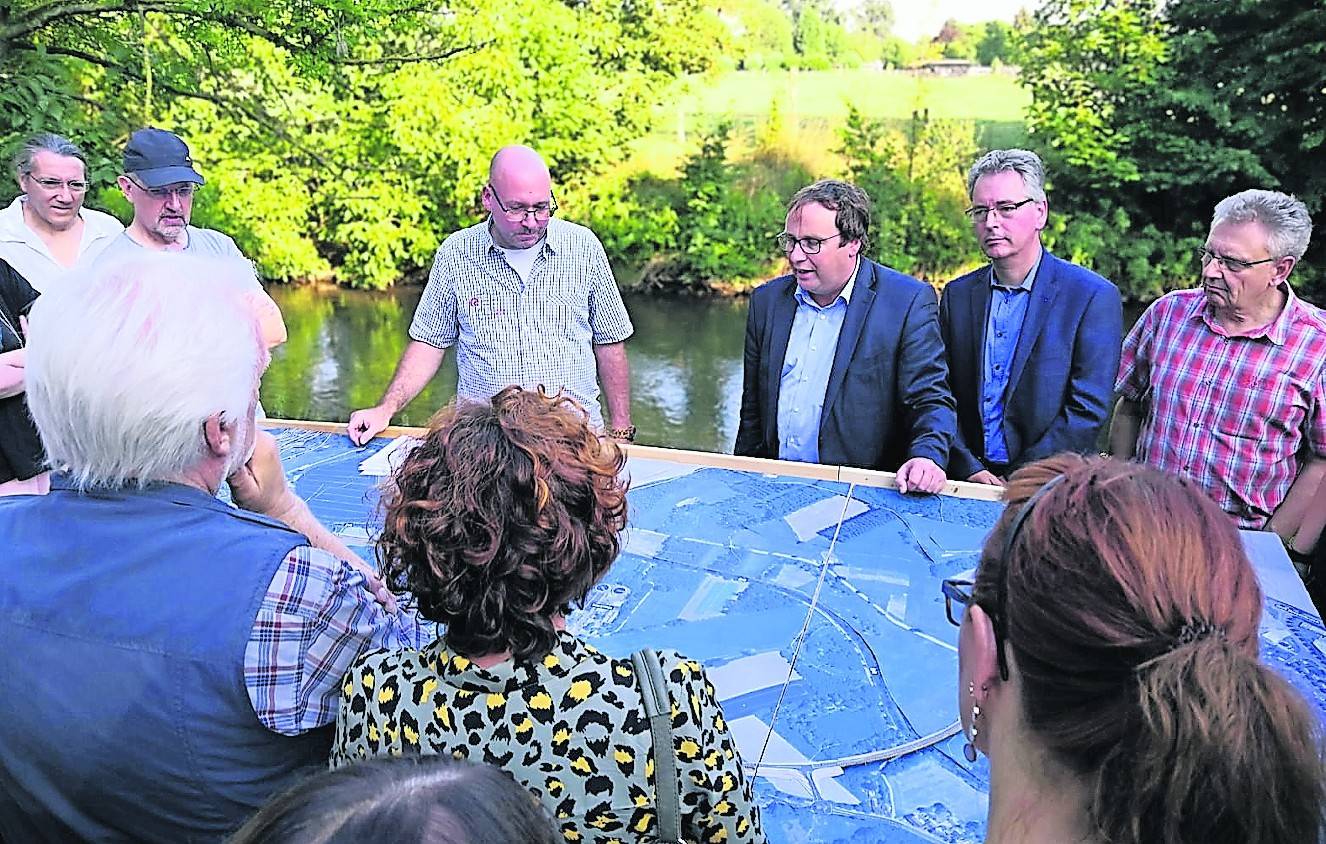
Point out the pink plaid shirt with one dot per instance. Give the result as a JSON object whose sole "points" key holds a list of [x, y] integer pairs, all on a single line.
{"points": [[1234, 413]]}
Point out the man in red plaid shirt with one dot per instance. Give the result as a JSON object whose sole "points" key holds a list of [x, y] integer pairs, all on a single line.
{"points": [[1226, 383]]}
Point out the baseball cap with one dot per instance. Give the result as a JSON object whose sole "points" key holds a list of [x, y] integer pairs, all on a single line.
{"points": [[158, 157]]}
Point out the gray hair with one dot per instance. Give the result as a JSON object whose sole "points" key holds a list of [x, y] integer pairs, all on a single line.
{"points": [[850, 204], [1025, 163], [1286, 219], [126, 363], [44, 142]]}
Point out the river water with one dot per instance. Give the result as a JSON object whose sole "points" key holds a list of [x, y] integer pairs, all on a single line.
{"points": [[344, 344]]}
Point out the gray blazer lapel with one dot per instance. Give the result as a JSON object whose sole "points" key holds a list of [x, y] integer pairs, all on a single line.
{"points": [[974, 372]]}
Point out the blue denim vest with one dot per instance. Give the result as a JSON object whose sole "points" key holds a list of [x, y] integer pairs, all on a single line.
{"points": [[124, 617]]}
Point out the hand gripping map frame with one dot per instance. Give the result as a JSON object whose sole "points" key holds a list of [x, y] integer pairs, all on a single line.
{"points": [[811, 594]]}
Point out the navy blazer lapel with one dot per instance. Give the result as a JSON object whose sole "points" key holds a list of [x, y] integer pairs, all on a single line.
{"points": [[974, 371], [863, 296], [782, 311], [1043, 291]]}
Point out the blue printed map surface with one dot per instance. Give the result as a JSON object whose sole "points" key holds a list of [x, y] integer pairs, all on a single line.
{"points": [[858, 741]]}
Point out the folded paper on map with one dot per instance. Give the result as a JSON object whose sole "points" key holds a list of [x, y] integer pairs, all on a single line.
{"points": [[389, 457]]}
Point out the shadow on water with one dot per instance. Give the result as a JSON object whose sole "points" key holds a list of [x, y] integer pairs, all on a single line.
{"points": [[344, 344]]}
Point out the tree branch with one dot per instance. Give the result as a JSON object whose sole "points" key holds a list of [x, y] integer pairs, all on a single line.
{"points": [[401, 60]]}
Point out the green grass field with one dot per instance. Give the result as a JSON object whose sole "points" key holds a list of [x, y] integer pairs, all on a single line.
{"points": [[812, 106]]}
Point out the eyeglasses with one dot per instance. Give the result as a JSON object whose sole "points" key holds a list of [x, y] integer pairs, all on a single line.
{"points": [[962, 590], [1004, 209], [1234, 265], [810, 245], [184, 191], [74, 185], [515, 212], [958, 590]]}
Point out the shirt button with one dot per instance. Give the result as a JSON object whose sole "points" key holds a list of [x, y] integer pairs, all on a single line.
{"points": [[999, 334], [999, 368], [812, 348]]}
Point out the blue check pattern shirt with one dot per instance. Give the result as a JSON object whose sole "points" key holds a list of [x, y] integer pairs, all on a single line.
{"points": [[1003, 328], [508, 331], [806, 368]]}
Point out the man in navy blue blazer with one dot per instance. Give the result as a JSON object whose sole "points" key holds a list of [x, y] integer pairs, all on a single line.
{"points": [[1032, 340], [844, 364]]}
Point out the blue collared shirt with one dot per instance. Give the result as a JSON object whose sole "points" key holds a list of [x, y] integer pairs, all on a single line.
{"points": [[1003, 327], [806, 367]]}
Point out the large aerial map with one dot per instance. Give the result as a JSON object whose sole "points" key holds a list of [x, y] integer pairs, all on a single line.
{"points": [[815, 606]]}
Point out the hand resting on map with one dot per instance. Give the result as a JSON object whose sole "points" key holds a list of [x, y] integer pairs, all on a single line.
{"points": [[260, 486]]}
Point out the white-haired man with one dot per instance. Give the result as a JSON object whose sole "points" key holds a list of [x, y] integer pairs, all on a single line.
{"points": [[1226, 383], [169, 660]]}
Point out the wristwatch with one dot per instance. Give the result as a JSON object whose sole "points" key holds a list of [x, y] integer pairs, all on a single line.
{"points": [[627, 433]]}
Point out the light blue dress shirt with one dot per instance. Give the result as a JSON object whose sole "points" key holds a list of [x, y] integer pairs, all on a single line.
{"points": [[806, 367], [1003, 327]]}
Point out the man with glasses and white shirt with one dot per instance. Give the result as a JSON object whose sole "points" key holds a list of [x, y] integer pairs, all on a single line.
{"points": [[1226, 383], [526, 299], [46, 232], [844, 364], [1032, 340]]}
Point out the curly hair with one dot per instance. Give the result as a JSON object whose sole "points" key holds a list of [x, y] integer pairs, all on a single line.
{"points": [[505, 516]]}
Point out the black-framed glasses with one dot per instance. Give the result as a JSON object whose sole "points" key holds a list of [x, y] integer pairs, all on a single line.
{"points": [[956, 591], [810, 245], [1234, 265], [516, 212], [184, 191], [961, 590], [1003, 209], [74, 185]]}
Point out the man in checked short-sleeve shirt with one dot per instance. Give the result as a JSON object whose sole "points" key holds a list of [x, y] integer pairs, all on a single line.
{"points": [[526, 299], [1226, 383]]}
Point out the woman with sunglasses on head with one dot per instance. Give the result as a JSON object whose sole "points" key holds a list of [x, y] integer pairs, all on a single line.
{"points": [[1108, 667]]}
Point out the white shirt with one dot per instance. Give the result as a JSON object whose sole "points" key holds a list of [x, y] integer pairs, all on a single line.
{"points": [[27, 253]]}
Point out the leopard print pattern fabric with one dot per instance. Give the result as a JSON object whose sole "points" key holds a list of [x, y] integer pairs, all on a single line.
{"points": [[570, 727]]}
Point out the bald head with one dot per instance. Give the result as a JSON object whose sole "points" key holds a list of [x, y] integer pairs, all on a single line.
{"points": [[519, 167], [518, 181]]}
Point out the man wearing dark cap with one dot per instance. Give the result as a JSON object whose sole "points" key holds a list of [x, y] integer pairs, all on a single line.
{"points": [[159, 180]]}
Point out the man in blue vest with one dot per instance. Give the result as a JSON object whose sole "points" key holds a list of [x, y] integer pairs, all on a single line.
{"points": [[169, 661]]}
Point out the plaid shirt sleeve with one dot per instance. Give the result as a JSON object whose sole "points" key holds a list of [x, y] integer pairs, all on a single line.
{"points": [[1316, 422], [316, 618], [1134, 379], [434, 320], [607, 312]]}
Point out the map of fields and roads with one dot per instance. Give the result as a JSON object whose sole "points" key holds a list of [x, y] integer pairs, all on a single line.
{"points": [[858, 742]]}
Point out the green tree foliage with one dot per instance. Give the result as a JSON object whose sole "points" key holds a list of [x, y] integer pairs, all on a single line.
{"points": [[1150, 114], [875, 17], [761, 33], [916, 180], [997, 44], [348, 138], [957, 41]]}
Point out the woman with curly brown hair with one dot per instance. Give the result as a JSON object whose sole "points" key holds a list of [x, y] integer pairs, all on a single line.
{"points": [[500, 523], [1108, 667]]}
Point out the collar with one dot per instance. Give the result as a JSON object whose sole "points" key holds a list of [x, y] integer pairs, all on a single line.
{"points": [[845, 295], [1277, 330], [554, 237], [1027, 280], [13, 228], [512, 675]]}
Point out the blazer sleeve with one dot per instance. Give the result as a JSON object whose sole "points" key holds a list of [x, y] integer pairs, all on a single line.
{"points": [[750, 428], [923, 381], [1091, 379], [962, 461]]}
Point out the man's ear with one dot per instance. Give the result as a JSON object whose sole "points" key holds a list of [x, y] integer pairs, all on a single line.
{"points": [[1283, 267], [219, 436]]}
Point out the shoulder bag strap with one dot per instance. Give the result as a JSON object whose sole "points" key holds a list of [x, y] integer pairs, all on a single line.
{"points": [[654, 692]]}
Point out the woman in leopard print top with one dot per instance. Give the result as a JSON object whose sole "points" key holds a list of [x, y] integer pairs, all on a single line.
{"points": [[505, 517]]}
